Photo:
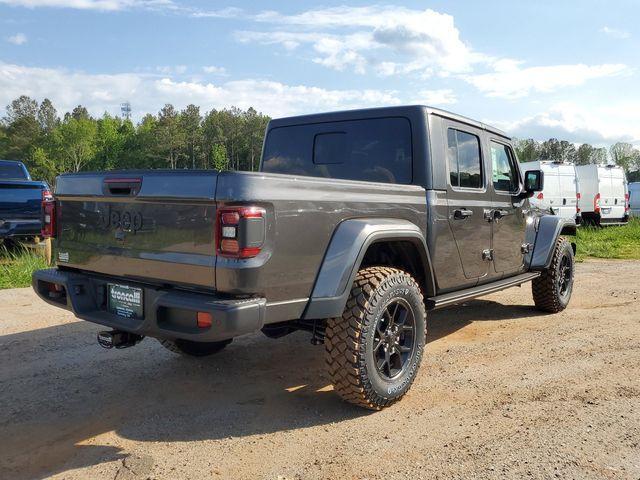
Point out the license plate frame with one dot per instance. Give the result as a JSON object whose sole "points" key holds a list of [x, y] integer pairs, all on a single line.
{"points": [[125, 301]]}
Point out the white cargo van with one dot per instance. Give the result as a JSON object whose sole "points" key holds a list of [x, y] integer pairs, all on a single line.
{"points": [[560, 191], [634, 199], [603, 197]]}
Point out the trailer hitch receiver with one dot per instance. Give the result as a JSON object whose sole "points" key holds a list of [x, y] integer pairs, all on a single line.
{"points": [[118, 339]]}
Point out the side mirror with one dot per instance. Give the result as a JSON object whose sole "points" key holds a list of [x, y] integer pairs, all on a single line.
{"points": [[533, 182]]}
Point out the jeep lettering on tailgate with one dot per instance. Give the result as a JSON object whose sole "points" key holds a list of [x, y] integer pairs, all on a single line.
{"points": [[129, 221]]}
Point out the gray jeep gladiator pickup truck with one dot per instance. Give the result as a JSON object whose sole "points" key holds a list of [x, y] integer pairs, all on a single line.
{"points": [[357, 224]]}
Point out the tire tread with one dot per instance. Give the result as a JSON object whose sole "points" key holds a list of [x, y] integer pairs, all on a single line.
{"points": [[345, 348], [545, 295]]}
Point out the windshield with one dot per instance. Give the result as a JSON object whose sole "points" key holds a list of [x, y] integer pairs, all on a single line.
{"points": [[12, 171]]}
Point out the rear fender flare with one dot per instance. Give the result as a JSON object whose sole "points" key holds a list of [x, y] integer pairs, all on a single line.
{"points": [[550, 227], [344, 256]]}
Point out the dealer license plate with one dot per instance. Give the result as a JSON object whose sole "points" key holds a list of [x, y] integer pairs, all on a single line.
{"points": [[125, 301]]}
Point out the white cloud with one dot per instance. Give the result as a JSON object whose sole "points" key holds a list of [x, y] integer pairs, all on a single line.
{"points": [[392, 40], [213, 70], [17, 39], [388, 39], [103, 5], [172, 69], [615, 32], [597, 125], [148, 93], [510, 80], [227, 12]]}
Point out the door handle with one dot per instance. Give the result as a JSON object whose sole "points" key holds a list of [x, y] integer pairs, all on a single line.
{"points": [[462, 213], [498, 214]]}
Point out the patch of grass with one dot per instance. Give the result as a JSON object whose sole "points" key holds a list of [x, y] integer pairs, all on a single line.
{"points": [[621, 242], [17, 264]]}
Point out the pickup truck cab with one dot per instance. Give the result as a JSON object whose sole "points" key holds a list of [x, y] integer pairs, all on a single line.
{"points": [[20, 202], [357, 225]]}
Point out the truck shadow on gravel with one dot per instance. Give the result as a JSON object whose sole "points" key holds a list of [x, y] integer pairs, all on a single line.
{"points": [[60, 389]]}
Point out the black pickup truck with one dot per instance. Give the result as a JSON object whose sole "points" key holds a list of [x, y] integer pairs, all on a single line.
{"points": [[20, 202], [357, 225]]}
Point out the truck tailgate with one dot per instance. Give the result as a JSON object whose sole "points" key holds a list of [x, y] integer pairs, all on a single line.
{"points": [[157, 225], [20, 200]]}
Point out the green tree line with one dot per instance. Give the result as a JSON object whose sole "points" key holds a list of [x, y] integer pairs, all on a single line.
{"points": [[220, 139], [50, 144], [621, 153]]}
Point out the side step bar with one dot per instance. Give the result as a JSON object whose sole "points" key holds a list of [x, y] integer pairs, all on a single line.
{"points": [[447, 299]]}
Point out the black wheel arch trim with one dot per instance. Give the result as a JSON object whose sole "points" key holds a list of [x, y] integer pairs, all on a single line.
{"points": [[344, 256], [549, 228]]}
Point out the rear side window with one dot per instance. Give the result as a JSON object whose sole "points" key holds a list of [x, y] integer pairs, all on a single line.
{"points": [[463, 154], [374, 150], [11, 171], [505, 173]]}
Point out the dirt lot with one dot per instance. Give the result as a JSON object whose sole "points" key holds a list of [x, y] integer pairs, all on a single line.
{"points": [[503, 393]]}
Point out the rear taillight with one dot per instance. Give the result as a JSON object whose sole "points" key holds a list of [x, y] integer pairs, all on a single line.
{"points": [[626, 202], [578, 196], [240, 232], [596, 203], [48, 215], [540, 196]]}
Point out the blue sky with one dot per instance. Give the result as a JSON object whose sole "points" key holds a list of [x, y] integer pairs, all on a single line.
{"points": [[543, 68]]}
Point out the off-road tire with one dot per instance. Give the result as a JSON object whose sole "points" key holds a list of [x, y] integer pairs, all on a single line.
{"points": [[547, 294], [349, 338], [193, 349]]}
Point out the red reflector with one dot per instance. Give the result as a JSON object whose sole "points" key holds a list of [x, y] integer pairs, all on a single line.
{"points": [[540, 196], [204, 319], [249, 252]]}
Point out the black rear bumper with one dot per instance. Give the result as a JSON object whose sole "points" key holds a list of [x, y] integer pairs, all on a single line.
{"points": [[168, 313]]}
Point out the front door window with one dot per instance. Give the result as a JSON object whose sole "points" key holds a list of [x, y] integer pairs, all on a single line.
{"points": [[505, 174]]}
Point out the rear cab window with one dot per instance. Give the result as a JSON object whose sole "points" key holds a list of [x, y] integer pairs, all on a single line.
{"points": [[374, 150], [464, 160], [12, 171]]}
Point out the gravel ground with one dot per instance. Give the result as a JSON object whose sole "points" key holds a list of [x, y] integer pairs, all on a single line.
{"points": [[503, 392]]}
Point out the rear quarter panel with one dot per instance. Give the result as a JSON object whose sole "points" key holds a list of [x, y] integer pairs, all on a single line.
{"points": [[302, 215]]}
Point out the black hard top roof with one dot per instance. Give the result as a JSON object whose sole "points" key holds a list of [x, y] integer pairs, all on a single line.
{"points": [[404, 110]]}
